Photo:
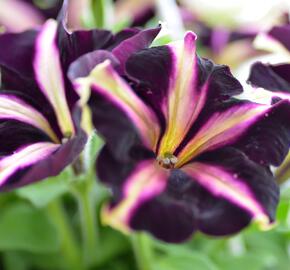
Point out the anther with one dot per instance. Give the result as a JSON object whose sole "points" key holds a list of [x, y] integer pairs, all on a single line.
{"points": [[167, 161]]}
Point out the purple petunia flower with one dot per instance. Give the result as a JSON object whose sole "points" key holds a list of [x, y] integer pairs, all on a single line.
{"points": [[181, 154], [40, 130]]}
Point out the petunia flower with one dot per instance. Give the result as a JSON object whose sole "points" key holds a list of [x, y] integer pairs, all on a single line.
{"points": [[40, 131], [181, 154]]}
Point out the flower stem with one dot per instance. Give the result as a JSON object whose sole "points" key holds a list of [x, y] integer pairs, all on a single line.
{"points": [[143, 252], [69, 245], [89, 226]]}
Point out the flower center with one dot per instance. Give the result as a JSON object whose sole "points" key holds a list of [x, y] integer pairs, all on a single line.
{"points": [[167, 161]]}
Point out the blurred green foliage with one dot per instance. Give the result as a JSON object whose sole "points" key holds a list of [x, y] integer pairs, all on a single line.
{"points": [[30, 240]]}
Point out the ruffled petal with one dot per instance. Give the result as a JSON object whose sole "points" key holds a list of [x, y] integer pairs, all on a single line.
{"points": [[232, 179], [271, 77], [145, 182]]}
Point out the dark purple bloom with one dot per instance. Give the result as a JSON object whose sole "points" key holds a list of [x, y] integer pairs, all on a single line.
{"points": [[181, 153], [40, 130]]}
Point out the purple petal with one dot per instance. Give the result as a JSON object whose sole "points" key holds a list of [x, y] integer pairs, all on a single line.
{"points": [[146, 181], [281, 34], [271, 77], [76, 43], [86, 63], [167, 216], [44, 166], [13, 108], [15, 134], [267, 141], [17, 52], [25, 157], [134, 44], [221, 127], [106, 82], [240, 181], [17, 74], [50, 77]]}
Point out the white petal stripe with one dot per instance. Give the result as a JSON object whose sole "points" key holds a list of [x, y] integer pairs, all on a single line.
{"points": [[12, 107], [48, 72], [25, 157]]}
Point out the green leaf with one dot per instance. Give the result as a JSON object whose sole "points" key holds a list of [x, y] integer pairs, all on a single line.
{"points": [[285, 191], [193, 261], [113, 244], [248, 261], [14, 261], [42, 193], [283, 216], [25, 228]]}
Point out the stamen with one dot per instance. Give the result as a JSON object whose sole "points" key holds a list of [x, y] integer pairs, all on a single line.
{"points": [[66, 137], [167, 161]]}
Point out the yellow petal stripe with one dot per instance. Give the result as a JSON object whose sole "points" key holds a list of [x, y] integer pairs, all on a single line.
{"points": [[222, 129], [185, 101]]}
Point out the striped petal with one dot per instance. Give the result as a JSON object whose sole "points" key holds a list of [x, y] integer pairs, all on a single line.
{"points": [[232, 177], [145, 182], [178, 85], [107, 83], [49, 75], [25, 157], [13, 108], [37, 161], [226, 185], [184, 101], [271, 77], [222, 128]]}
